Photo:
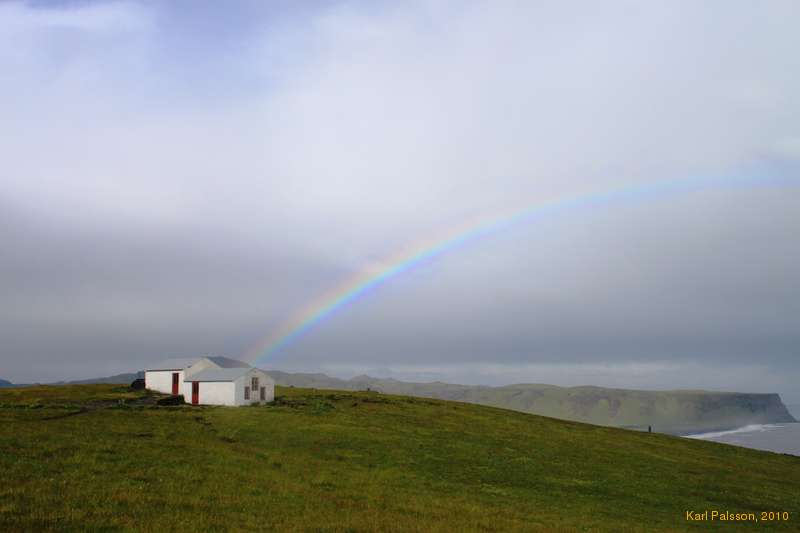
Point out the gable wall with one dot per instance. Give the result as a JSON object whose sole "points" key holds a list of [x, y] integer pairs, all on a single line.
{"points": [[264, 381], [202, 364]]}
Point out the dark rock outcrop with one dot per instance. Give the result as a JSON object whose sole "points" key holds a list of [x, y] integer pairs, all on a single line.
{"points": [[171, 400]]}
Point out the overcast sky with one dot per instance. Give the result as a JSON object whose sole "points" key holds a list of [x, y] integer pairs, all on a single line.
{"points": [[180, 177]]}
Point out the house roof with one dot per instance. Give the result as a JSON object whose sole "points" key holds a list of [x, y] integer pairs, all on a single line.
{"points": [[227, 362], [182, 363], [174, 364], [226, 374], [219, 374]]}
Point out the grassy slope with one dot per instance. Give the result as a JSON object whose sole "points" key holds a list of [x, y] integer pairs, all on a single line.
{"points": [[354, 461]]}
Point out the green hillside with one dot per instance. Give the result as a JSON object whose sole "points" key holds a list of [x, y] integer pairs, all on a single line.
{"points": [[96, 457]]}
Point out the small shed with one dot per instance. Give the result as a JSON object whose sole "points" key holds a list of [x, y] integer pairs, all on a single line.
{"points": [[229, 386]]}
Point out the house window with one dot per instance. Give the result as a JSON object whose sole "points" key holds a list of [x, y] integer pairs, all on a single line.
{"points": [[263, 393], [254, 383], [247, 393]]}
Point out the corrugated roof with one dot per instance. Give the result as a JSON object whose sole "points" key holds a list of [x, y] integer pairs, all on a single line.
{"points": [[227, 362], [219, 374], [174, 364]]}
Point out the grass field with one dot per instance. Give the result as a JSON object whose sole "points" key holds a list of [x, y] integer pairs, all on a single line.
{"points": [[99, 458]]}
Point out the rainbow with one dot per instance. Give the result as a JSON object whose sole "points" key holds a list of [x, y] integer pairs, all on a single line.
{"points": [[367, 280]]}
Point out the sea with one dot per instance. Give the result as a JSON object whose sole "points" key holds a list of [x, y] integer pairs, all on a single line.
{"points": [[780, 438]]}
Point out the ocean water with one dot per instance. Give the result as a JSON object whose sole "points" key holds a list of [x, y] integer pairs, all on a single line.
{"points": [[780, 438]]}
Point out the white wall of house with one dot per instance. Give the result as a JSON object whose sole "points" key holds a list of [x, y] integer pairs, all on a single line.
{"points": [[161, 380], [186, 390], [215, 393]]}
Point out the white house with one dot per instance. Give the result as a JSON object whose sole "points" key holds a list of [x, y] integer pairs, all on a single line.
{"points": [[211, 381]]}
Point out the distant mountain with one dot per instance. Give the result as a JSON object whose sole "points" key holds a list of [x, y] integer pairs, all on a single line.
{"points": [[118, 378], [125, 379], [677, 412], [4, 383]]}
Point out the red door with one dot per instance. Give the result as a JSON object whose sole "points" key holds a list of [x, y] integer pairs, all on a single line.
{"points": [[195, 392], [174, 383]]}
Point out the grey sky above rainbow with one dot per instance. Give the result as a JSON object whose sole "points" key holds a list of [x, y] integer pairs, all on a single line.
{"points": [[188, 181]]}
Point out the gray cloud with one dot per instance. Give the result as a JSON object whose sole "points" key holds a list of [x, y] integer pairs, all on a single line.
{"points": [[181, 185]]}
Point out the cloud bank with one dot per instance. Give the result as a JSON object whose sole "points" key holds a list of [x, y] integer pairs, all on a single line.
{"points": [[179, 185]]}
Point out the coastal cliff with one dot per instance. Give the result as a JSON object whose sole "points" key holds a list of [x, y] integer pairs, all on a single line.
{"points": [[676, 412]]}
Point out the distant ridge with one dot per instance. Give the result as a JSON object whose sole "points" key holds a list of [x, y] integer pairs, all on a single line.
{"points": [[118, 378], [126, 379]]}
